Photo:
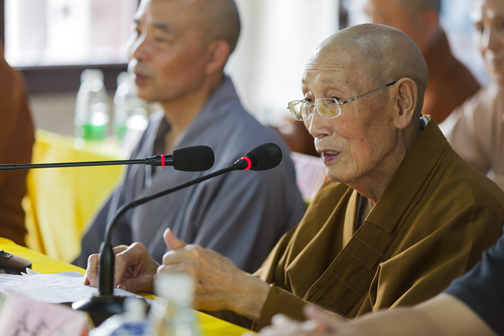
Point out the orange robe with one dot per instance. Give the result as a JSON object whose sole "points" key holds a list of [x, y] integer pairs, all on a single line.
{"points": [[450, 82], [16, 142]]}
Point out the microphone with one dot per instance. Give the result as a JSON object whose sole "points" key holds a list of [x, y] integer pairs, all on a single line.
{"points": [[263, 157], [194, 158]]}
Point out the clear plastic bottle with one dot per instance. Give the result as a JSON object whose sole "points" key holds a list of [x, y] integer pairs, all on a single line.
{"points": [[130, 112], [172, 315], [91, 108]]}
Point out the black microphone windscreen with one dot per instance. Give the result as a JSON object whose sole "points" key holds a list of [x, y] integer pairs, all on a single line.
{"points": [[194, 158], [267, 156]]}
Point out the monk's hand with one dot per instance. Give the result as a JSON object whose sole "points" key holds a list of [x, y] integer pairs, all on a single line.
{"points": [[282, 325], [134, 269], [219, 284], [322, 320], [319, 322]]}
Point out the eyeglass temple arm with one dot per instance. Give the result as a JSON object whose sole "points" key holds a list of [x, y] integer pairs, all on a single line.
{"points": [[365, 94]]}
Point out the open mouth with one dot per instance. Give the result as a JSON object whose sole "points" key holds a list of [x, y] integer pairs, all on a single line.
{"points": [[139, 78], [328, 156]]}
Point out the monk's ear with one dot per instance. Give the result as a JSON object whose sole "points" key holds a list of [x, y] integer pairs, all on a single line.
{"points": [[406, 101], [217, 55]]}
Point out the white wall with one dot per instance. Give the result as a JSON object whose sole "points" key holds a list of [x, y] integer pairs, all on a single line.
{"points": [[278, 37]]}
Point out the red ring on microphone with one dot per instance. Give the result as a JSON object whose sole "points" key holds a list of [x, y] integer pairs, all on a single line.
{"points": [[162, 161], [248, 161]]}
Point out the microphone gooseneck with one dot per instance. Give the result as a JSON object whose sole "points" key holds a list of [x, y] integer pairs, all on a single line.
{"points": [[194, 158], [263, 157]]}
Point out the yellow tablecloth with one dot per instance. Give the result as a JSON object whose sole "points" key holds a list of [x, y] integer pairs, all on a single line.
{"points": [[61, 201], [211, 326]]}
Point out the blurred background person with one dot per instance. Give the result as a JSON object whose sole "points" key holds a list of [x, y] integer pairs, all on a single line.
{"points": [[476, 129], [16, 142], [178, 52], [450, 82]]}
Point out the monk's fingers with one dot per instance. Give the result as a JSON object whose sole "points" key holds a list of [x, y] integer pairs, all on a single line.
{"points": [[136, 256], [322, 320], [171, 241], [91, 276], [177, 268], [119, 249], [186, 254], [141, 283], [281, 320], [281, 325]]}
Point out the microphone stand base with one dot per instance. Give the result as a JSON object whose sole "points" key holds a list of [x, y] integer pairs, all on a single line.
{"points": [[101, 308]]}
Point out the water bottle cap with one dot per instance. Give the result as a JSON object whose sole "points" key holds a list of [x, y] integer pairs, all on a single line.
{"points": [[176, 287], [135, 309], [91, 75]]}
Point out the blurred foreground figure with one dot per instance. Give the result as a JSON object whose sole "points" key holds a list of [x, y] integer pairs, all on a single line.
{"points": [[402, 216], [16, 142], [178, 51], [472, 305], [450, 82], [476, 129]]}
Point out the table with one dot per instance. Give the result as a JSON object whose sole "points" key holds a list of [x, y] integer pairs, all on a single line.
{"points": [[210, 325]]}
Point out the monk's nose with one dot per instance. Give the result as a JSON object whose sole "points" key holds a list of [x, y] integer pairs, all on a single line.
{"points": [[317, 126]]}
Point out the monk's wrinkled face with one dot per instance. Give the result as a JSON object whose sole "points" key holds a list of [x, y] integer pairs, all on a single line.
{"points": [[488, 16], [166, 50], [353, 144]]}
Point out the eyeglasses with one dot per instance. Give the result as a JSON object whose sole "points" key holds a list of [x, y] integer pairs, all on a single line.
{"points": [[327, 108]]}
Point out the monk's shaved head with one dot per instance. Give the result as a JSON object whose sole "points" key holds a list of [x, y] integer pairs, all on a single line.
{"points": [[216, 19], [219, 20], [372, 53]]}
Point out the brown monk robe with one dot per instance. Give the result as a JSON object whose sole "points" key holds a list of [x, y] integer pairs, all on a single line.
{"points": [[16, 142], [430, 226]]}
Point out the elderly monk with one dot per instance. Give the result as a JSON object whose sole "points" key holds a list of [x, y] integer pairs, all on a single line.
{"points": [[476, 129], [402, 216], [16, 142], [178, 52]]}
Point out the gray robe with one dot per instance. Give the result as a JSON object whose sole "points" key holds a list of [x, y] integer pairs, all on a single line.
{"points": [[241, 214]]}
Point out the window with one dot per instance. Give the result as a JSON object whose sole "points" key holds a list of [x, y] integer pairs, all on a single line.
{"points": [[52, 41], [67, 32]]}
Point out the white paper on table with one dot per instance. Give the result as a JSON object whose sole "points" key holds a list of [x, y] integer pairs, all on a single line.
{"points": [[52, 288]]}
